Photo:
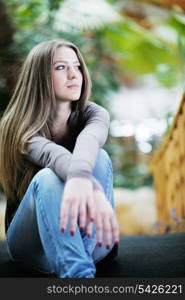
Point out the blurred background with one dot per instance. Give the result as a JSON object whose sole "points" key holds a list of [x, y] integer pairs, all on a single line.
{"points": [[135, 52]]}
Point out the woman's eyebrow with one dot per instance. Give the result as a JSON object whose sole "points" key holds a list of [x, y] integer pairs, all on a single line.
{"points": [[66, 62]]}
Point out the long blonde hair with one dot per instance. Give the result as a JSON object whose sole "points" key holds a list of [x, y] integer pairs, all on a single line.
{"points": [[30, 111]]}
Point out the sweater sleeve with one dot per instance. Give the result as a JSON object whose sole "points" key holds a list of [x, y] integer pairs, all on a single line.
{"points": [[88, 142], [47, 154]]}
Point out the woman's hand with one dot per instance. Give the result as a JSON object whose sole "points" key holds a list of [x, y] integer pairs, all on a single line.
{"points": [[77, 204], [106, 221]]}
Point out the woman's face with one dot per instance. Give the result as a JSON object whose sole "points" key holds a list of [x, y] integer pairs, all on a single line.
{"points": [[67, 75]]}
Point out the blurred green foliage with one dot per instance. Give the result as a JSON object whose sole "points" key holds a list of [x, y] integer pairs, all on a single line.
{"points": [[116, 52]]}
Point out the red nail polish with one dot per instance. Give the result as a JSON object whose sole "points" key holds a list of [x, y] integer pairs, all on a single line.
{"points": [[62, 229], [116, 243], [89, 235], [108, 247], [92, 219], [81, 229], [99, 244], [72, 232]]}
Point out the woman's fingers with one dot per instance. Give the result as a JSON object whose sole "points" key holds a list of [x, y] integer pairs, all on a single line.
{"points": [[107, 230], [82, 215], [76, 203], [115, 229], [69, 212], [74, 209], [64, 213], [91, 208], [73, 216], [89, 228], [110, 228], [106, 225], [90, 215], [99, 229]]}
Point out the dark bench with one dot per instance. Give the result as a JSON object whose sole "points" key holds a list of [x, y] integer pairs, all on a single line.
{"points": [[139, 256]]}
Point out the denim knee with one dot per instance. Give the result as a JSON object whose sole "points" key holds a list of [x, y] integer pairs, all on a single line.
{"points": [[45, 174], [48, 185], [48, 178], [102, 154], [103, 162]]}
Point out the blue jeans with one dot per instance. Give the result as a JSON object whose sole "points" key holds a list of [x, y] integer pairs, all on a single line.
{"points": [[34, 236]]}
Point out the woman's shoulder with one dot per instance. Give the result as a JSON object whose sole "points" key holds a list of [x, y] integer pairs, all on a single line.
{"points": [[90, 105], [91, 108]]}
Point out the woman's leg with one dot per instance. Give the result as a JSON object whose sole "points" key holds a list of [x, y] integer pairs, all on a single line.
{"points": [[34, 235], [104, 174]]}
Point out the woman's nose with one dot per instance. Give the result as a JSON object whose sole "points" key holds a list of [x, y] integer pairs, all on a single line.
{"points": [[71, 73]]}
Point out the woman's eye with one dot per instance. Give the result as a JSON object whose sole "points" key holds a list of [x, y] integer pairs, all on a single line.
{"points": [[60, 67]]}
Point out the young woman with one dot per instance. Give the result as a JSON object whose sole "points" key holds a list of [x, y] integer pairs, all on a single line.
{"points": [[58, 181]]}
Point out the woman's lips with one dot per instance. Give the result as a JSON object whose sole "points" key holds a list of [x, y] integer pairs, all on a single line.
{"points": [[73, 86]]}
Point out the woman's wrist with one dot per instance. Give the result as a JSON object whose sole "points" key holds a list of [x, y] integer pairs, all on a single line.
{"points": [[95, 182], [96, 185]]}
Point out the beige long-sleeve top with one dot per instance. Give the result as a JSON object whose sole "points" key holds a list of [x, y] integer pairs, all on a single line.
{"points": [[79, 163]]}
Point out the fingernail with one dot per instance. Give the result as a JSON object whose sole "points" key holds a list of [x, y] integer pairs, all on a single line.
{"points": [[108, 247], [81, 229], [92, 219], [99, 244], [116, 243], [62, 229], [89, 235], [72, 232]]}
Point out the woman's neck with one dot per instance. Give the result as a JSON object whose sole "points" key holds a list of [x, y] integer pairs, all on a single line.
{"points": [[63, 111], [59, 125]]}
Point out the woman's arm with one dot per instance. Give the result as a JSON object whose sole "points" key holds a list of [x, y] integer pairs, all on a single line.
{"points": [[47, 154], [89, 141]]}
